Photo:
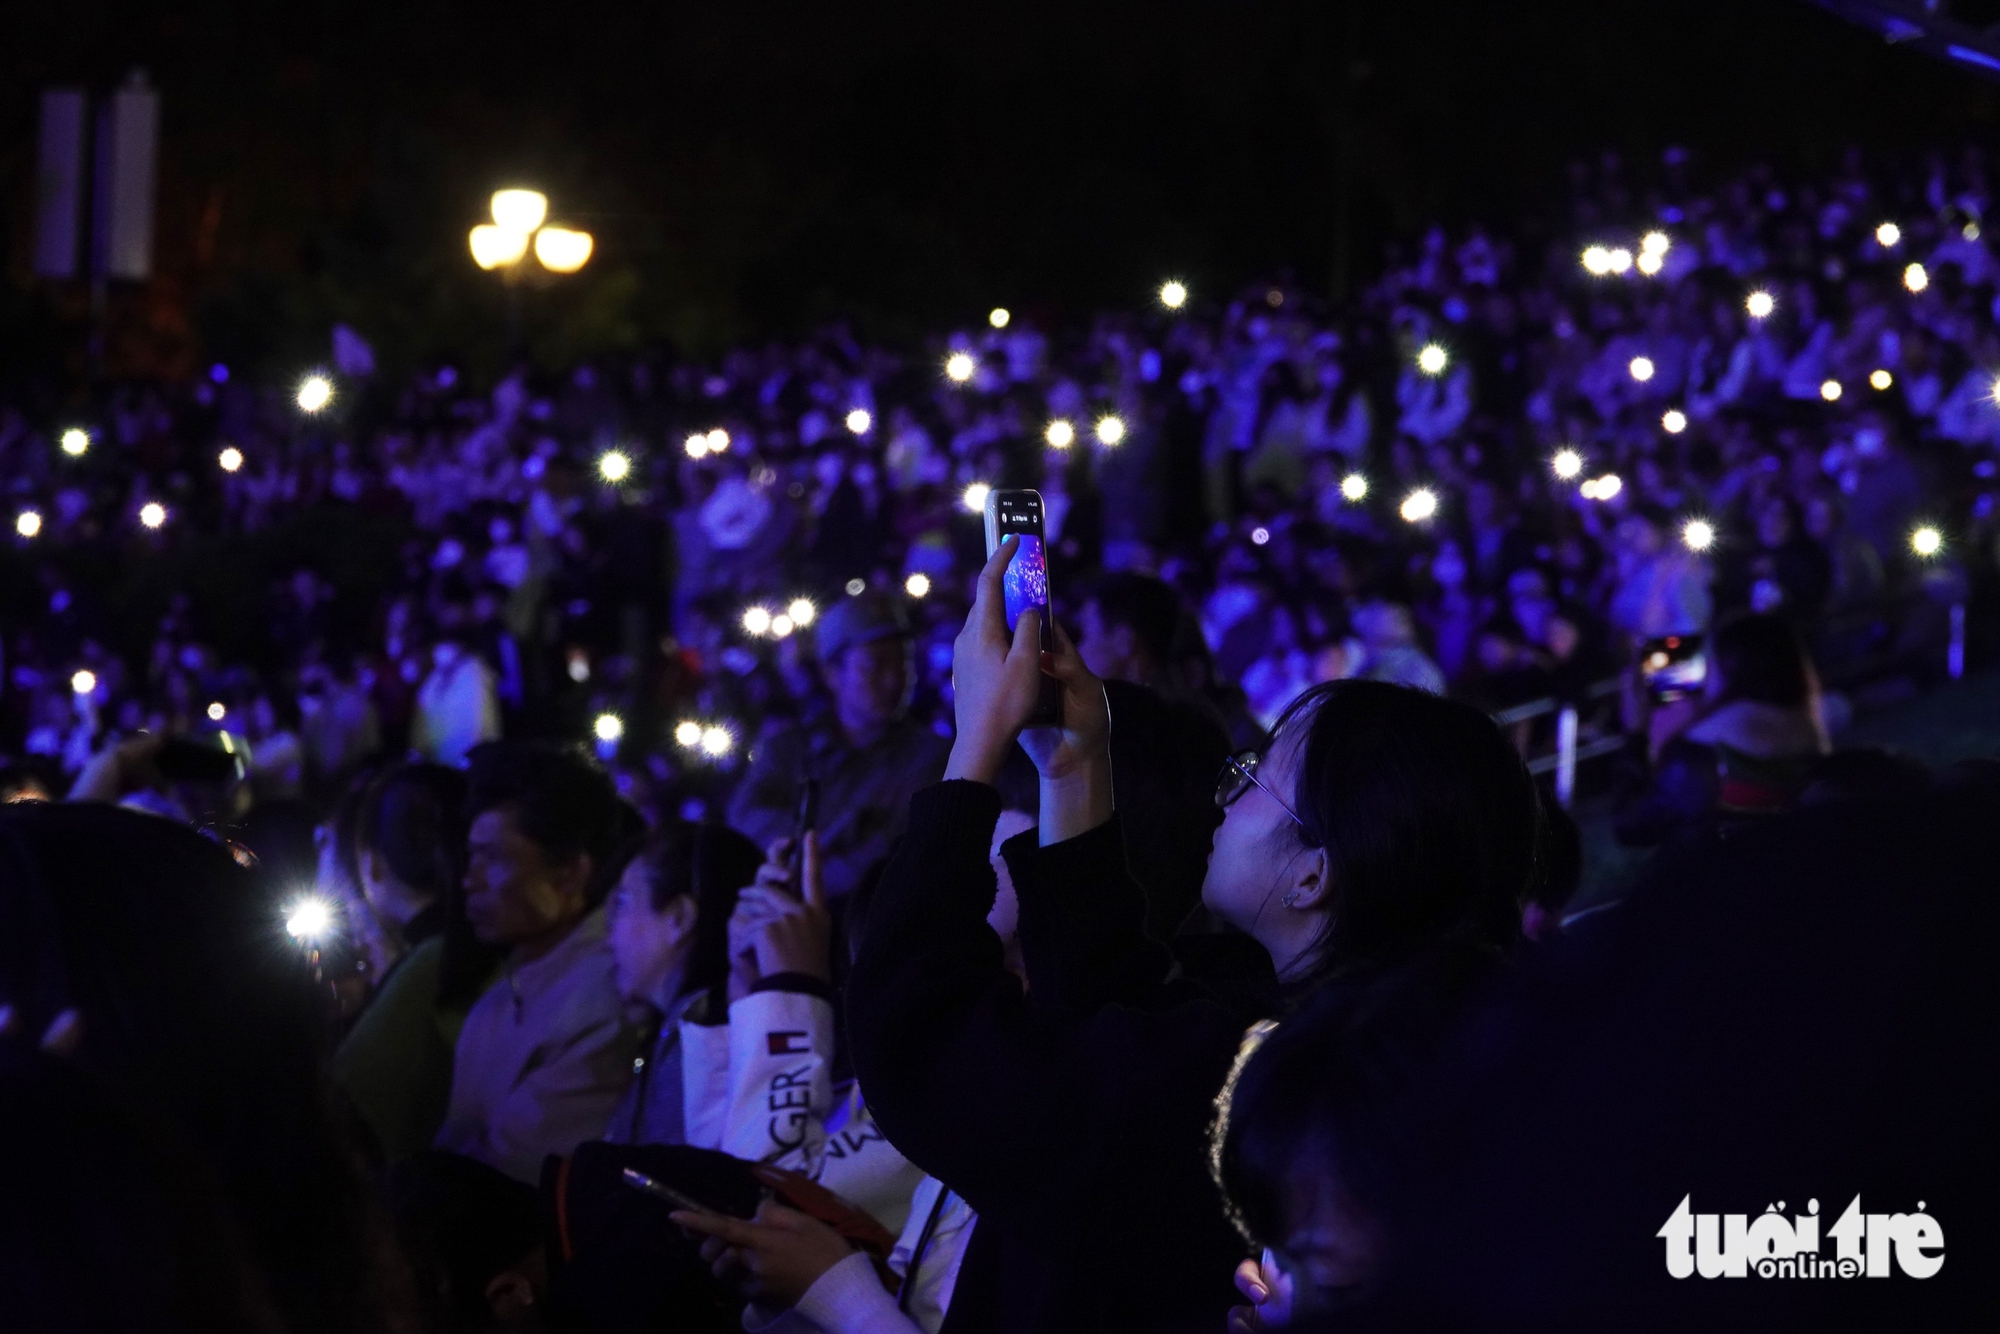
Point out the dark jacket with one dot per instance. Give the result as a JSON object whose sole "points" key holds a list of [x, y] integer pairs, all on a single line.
{"points": [[1073, 1124]]}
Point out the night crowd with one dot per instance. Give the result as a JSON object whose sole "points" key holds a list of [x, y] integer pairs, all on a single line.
{"points": [[640, 902]]}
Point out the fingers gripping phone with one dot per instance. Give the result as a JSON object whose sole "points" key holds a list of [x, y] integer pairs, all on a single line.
{"points": [[1026, 583]]}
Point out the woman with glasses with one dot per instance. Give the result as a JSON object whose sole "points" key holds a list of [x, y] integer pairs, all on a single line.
{"points": [[1382, 823]]}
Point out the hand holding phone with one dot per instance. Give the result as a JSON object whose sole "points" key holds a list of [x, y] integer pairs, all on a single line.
{"points": [[1025, 583]]}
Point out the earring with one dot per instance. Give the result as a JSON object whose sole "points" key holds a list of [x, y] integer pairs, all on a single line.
{"points": [[1292, 899]]}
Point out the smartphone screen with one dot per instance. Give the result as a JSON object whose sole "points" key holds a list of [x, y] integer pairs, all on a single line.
{"points": [[1026, 584]]}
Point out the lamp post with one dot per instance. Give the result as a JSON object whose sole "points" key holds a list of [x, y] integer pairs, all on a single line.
{"points": [[520, 226]]}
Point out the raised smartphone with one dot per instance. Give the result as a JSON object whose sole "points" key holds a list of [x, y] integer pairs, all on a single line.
{"points": [[1026, 583]]}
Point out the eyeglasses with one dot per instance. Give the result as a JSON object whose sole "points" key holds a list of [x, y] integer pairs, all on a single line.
{"points": [[1239, 774]]}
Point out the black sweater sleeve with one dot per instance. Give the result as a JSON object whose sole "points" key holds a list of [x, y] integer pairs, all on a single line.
{"points": [[1083, 1131], [1083, 923]]}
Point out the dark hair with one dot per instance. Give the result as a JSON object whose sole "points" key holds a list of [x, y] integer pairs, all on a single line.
{"points": [[197, 1009], [413, 817], [1146, 606], [1318, 1096], [711, 862], [1762, 659], [1431, 825], [562, 800]]}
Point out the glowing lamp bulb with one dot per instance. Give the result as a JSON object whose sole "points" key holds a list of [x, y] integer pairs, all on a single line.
{"points": [[802, 611], [1260, 535], [781, 625], [1173, 295], [1621, 259], [1641, 368], [1419, 505], [1608, 486], [1673, 421], [1432, 359], [315, 392], [917, 585], [76, 442], [1888, 234], [1830, 391], [999, 317], [696, 446], [716, 741], [1927, 541], [688, 734], [152, 514], [494, 247], [1597, 261], [1880, 379], [1655, 243], [28, 523], [1567, 464], [859, 420], [1760, 304], [230, 459], [718, 441], [1060, 435], [1354, 487], [1698, 534], [1651, 263], [608, 727], [975, 497], [217, 712], [856, 587], [563, 249], [1916, 278], [959, 366], [83, 682], [614, 466], [1111, 429], [309, 920], [520, 211], [756, 620]]}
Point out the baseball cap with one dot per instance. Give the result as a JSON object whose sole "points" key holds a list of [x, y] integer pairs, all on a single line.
{"points": [[861, 619]]}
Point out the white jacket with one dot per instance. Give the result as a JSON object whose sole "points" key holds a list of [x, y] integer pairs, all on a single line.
{"points": [[850, 1299], [761, 1088]]}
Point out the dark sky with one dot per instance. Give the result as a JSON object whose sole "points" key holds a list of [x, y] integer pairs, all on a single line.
{"points": [[751, 167]]}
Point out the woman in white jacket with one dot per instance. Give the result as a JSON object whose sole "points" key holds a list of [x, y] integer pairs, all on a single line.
{"points": [[760, 1086], [800, 1275]]}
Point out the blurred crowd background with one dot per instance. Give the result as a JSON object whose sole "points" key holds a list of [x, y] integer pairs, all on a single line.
{"points": [[1478, 476]]}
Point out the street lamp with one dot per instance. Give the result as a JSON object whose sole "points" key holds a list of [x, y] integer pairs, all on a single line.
{"points": [[518, 226]]}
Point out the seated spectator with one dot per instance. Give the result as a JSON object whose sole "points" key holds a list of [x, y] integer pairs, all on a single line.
{"points": [[1129, 622], [1307, 1145], [1748, 745], [395, 1063], [868, 757], [669, 930], [761, 1085], [545, 1054]]}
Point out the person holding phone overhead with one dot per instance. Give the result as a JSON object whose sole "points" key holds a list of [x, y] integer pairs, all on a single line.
{"points": [[1072, 1115], [866, 753]]}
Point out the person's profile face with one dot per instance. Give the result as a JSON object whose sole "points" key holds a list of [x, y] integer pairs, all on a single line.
{"points": [[513, 891], [646, 945], [1256, 842]]}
